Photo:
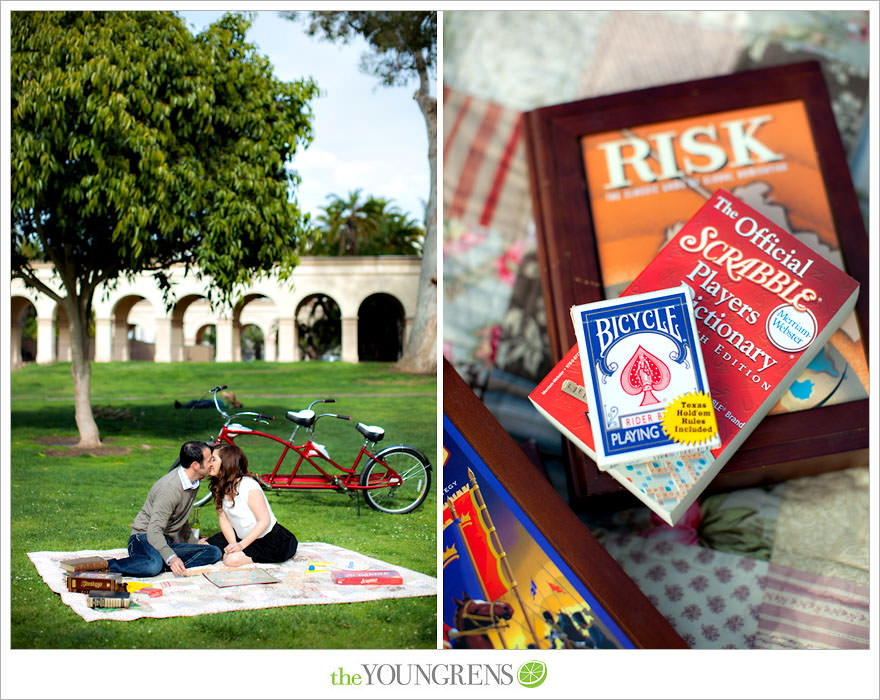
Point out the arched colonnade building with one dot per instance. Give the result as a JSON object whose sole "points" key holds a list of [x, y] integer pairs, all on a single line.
{"points": [[375, 296]]}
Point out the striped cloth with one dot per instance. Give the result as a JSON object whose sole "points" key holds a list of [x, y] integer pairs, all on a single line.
{"points": [[801, 610], [485, 180], [494, 315]]}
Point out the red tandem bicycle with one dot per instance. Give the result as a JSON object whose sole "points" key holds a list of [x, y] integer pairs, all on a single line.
{"points": [[396, 479]]}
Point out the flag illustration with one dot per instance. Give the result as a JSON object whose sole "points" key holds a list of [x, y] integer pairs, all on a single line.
{"points": [[477, 535], [459, 578]]}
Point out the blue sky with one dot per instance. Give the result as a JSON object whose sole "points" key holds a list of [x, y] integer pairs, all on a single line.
{"points": [[366, 136]]}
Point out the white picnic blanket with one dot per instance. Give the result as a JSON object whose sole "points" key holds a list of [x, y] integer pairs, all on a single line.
{"points": [[303, 580]]}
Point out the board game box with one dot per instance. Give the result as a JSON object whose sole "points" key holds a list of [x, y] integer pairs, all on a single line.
{"points": [[366, 578], [613, 182]]}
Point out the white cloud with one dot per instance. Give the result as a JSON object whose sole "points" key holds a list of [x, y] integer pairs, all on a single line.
{"points": [[326, 173]]}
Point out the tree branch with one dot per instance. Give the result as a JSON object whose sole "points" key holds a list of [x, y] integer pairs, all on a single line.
{"points": [[30, 279]]}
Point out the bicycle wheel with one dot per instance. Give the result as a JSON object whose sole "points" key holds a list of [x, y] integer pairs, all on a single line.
{"points": [[199, 502], [414, 470]]}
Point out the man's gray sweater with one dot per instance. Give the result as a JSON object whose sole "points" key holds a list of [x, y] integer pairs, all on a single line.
{"points": [[166, 512]]}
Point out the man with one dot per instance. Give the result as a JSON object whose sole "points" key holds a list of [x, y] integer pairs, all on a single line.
{"points": [[227, 400], [160, 535]]}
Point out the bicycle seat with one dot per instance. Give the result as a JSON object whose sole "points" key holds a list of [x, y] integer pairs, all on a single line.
{"points": [[373, 433], [306, 418]]}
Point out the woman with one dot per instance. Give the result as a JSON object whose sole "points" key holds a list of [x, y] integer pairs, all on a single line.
{"points": [[249, 532]]}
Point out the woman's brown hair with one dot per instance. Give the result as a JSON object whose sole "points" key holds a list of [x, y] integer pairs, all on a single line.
{"points": [[233, 466]]}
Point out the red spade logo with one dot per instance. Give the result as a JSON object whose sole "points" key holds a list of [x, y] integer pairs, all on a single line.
{"points": [[644, 374]]}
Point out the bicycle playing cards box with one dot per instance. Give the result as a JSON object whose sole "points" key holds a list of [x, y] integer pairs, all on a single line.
{"points": [[645, 381], [765, 305]]}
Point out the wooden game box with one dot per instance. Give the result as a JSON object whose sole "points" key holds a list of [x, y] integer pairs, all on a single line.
{"points": [[553, 563], [614, 177]]}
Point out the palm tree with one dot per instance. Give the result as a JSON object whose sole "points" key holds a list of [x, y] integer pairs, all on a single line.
{"points": [[358, 225], [325, 236], [371, 226], [398, 234]]}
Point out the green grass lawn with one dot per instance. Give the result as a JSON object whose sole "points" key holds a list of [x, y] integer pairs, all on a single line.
{"points": [[61, 502]]}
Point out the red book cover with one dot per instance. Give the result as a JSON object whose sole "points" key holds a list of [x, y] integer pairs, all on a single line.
{"points": [[94, 580], [562, 399], [765, 304], [367, 578]]}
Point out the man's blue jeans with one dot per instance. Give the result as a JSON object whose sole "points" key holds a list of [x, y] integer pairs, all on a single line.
{"points": [[144, 560]]}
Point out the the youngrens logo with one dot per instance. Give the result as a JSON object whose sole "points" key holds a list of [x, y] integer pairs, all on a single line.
{"points": [[531, 674]]}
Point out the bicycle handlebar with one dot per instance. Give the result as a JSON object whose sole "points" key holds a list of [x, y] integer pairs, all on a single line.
{"points": [[333, 415], [265, 418], [254, 415], [260, 417]]}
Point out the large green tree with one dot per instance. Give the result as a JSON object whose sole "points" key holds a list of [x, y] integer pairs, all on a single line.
{"points": [[403, 45], [136, 146]]}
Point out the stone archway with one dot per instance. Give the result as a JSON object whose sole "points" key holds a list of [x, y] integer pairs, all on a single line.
{"points": [[170, 333], [253, 343], [381, 323], [204, 347], [23, 331], [319, 327], [132, 339], [62, 335], [190, 311], [255, 328]]}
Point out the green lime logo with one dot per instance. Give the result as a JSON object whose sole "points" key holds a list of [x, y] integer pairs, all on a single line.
{"points": [[531, 674]]}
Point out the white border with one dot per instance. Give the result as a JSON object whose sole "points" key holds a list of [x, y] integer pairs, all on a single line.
{"points": [[612, 674]]}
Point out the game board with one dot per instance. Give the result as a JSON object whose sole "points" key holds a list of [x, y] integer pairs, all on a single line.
{"points": [[239, 577]]}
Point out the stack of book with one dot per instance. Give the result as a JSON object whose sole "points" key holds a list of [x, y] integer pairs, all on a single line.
{"points": [[109, 599], [612, 183], [765, 305], [85, 581], [92, 563]]}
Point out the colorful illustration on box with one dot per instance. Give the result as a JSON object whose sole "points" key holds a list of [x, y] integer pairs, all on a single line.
{"points": [[645, 182], [504, 587]]}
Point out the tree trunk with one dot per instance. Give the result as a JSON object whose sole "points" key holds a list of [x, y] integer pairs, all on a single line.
{"points": [[420, 354], [81, 369]]}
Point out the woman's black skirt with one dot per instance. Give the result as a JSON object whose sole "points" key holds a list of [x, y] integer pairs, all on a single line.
{"points": [[277, 545]]}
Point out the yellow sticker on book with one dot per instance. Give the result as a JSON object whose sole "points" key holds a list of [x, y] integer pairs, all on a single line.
{"points": [[690, 419]]}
